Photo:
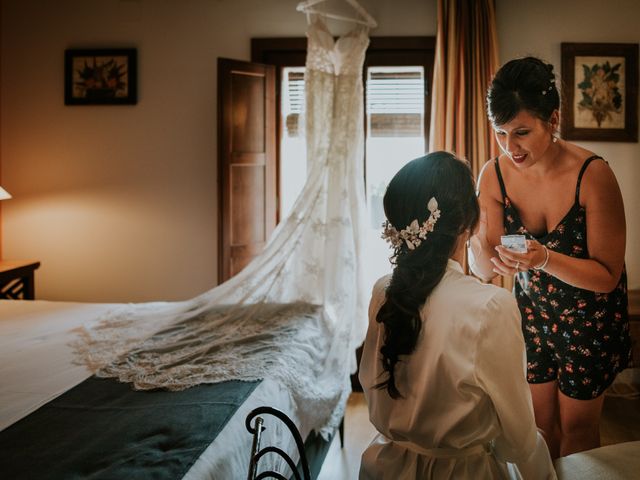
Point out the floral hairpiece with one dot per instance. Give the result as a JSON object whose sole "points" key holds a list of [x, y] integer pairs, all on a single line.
{"points": [[551, 81], [415, 233]]}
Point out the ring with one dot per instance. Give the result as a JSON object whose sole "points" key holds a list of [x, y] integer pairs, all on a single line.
{"points": [[517, 266]]}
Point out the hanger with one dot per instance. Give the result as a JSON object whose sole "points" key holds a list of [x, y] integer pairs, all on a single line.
{"points": [[308, 7]]}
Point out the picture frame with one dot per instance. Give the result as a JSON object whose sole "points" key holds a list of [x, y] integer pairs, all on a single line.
{"points": [[599, 92], [105, 76]]}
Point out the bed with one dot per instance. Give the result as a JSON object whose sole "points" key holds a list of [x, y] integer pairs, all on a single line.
{"points": [[37, 366], [612, 462]]}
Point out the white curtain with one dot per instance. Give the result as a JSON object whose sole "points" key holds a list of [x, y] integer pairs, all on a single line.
{"points": [[297, 312]]}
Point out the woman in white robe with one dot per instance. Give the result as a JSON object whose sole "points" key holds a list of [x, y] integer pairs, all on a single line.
{"points": [[443, 366]]}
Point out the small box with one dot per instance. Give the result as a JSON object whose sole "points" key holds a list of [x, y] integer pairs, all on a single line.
{"points": [[517, 243]]}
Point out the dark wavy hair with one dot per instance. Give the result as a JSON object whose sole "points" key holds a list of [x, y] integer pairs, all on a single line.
{"points": [[525, 83], [417, 272]]}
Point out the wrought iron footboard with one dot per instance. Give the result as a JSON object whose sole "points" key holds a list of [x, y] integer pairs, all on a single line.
{"points": [[257, 453]]}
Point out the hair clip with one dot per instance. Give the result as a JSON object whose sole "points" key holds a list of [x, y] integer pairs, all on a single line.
{"points": [[413, 235]]}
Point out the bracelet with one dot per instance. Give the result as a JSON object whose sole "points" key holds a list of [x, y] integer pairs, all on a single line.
{"points": [[546, 259]]}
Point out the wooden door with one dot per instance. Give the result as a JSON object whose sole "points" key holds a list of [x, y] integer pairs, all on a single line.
{"points": [[246, 162]]}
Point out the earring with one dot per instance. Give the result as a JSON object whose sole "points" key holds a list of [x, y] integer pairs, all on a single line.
{"points": [[555, 139]]}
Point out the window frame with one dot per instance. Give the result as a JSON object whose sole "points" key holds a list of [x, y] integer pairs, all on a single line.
{"points": [[382, 51]]}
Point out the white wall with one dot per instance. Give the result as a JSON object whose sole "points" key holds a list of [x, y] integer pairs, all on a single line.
{"points": [[120, 203], [537, 28]]}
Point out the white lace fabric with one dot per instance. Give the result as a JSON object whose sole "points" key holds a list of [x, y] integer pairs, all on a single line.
{"points": [[296, 313]]}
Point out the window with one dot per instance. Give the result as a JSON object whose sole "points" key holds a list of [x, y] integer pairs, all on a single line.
{"points": [[397, 77], [395, 111], [293, 149]]}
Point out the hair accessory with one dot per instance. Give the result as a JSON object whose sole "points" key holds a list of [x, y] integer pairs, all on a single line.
{"points": [[414, 234], [552, 81]]}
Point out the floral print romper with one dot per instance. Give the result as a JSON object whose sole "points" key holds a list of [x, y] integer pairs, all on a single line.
{"points": [[579, 337]]}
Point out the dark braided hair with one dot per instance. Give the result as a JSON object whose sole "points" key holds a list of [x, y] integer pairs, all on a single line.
{"points": [[522, 84], [417, 272]]}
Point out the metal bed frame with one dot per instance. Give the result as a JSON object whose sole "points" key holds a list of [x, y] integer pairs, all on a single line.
{"points": [[257, 452]]}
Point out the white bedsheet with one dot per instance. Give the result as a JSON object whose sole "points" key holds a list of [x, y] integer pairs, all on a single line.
{"points": [[36, 365], [612, 462]]}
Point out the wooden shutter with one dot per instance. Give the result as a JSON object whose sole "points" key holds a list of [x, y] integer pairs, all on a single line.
{"points": [[395, 101], [247, 162]]}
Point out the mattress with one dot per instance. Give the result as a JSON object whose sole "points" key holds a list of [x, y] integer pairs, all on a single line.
{"points": [[37, 365], [612, 462]]}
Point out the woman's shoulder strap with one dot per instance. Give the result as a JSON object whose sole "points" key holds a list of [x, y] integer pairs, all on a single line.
{"points": [[500, 180], [585, 164]]}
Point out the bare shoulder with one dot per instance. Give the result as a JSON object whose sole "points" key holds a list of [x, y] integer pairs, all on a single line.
{"points": [[598, 179], [488, 185], [598, 182]]}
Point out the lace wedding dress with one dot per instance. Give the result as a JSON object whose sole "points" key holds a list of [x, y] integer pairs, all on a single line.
{"points": [[296, 313]]}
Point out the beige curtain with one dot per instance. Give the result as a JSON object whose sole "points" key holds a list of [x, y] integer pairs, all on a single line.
{"points": [[466, 59]]}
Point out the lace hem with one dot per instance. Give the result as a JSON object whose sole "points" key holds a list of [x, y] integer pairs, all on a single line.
{"points": [[251, 327], [290, 343]]}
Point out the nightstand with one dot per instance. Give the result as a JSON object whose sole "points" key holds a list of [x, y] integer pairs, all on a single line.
{"points": [[16, 279]]}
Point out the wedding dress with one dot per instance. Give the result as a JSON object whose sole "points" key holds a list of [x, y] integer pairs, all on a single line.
{"points": [[296, 313]]}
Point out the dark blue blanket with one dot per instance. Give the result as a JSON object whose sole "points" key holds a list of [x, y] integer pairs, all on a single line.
{"points": [[102, 429]]}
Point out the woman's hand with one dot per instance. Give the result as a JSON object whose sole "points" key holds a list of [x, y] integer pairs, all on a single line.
{"points": [[509, 262]]}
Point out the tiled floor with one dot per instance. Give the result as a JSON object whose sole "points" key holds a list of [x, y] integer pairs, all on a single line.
{"points": [[620, 423]]}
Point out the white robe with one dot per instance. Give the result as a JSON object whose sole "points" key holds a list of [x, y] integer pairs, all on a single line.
{"points": [[464, 388]]}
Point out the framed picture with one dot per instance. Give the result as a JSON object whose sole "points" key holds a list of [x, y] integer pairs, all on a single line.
{"points": [[600, 92], [100, 76]]}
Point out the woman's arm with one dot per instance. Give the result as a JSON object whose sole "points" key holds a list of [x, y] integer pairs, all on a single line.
{"points": [[490, 227], [606, 238]]}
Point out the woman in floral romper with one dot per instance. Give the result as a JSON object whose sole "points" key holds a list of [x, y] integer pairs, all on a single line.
{"points": [[571, 284]]}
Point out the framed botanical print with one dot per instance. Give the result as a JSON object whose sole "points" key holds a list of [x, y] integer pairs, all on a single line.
{"points": [[600, 91]]}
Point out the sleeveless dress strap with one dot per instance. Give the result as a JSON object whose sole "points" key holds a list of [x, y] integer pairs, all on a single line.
{"points": [[500, 180], [582, 170]]}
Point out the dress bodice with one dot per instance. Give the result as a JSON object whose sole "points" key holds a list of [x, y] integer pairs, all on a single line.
{"points": [[344, 56]]}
